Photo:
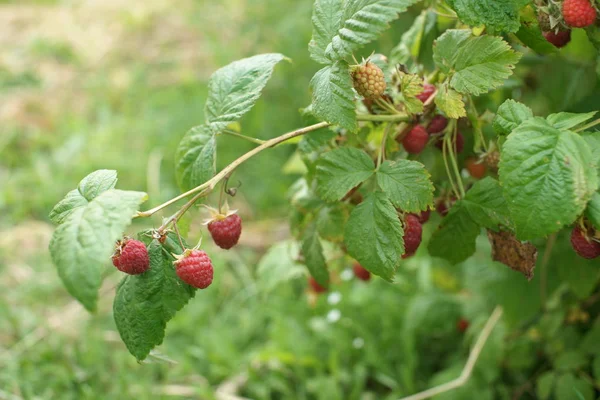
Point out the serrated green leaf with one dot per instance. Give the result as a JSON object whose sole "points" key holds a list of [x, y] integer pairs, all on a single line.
{"points": [[486, 205], [444, 49], [89, 188], [374, 235], [544, 385], [145, 303], [569, 387], [407, 184], [483, 63], [362, 22], [410, 86], [456, 236], [510, 115], [341, 170], [197, 156], [82, 245], [565, 120], [312, 250], [548, 177], [450, 102], [326, 20], [233, 89], [496, 15], [592, 212], [333, 97]]}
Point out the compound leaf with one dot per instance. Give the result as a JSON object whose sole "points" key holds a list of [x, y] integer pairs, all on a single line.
{"points": [[341, 170], [333, 97], [407, 184]]}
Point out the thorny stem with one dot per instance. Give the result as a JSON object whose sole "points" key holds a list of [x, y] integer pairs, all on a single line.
{"points": [[470, 364], [588, 126], [209, 185], [386, 133]]}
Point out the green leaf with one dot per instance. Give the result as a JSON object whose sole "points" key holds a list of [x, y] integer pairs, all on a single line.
{"points": [[444, 50], [531, 35], [565, 120], [544, 385], [333, 97], [416, 45], [496, 15], [450, 102], [482, 63], [278, 265], [548, 177], [88, 189], [410, 86], [486, 205], [233, 89], [510, 115], [341, 170], [82, 245], [593, 141], [596, 368], [196, 156], [591, 339], [569, 387], [407, 184], [145, 303], [312, 250], [374, 235], [579, 274], [592, 212], [570, 360], [331, 222], [326, 20], [362, 22], [456, 236]]}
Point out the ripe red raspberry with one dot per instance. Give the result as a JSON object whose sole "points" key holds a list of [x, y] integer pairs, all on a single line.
{"points": [[558, 39], [578, 13], [462, 325], [195, 268], [415, 140], [413, 232], [437, 124], [131, 257], [368, 80], [584, 244], [459, 143], [226, 231], [423, 216], [428, 90], [360, 272], [475, 167], [314, 285]]}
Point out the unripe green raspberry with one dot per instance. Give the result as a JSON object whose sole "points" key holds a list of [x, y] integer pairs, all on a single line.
{"points": [[368, 80]]}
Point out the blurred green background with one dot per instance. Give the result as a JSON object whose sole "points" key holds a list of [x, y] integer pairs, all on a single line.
{"points": [[115, 84]]}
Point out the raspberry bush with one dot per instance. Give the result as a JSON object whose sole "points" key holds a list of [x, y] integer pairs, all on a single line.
{"points": [[433, 124]]}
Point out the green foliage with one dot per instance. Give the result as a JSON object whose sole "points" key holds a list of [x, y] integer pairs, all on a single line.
{"points": [[333, 97], [312, 250], [592, 211], [510, 115], [496, 15], [341, 170], [548, 183], [374, 235], [407, 184]]}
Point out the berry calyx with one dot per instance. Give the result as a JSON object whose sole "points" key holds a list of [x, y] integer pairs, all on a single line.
{"points": [[360, 272], [428, 90], [194, 267], [584, 244], [415, 140], [578, 13], [462, 325], [459, 143], [413, 232], [437, 124], [368, 80], [475, 167], [131, 257], [314, 285], [558, 39]]}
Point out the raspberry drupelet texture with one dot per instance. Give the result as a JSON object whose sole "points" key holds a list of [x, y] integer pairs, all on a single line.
{"points": [[227, 231], [131, 257], [369, 80], [415, 140], [195, 268], [584, 244], [578, 13], [413, 232]]}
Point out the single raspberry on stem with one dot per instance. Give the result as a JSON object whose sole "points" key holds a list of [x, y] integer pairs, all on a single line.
{"points": [[195, 268], [584, 243], [131, 257], [578, 13], [415, 140], [225, 226], [413, 232]]}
